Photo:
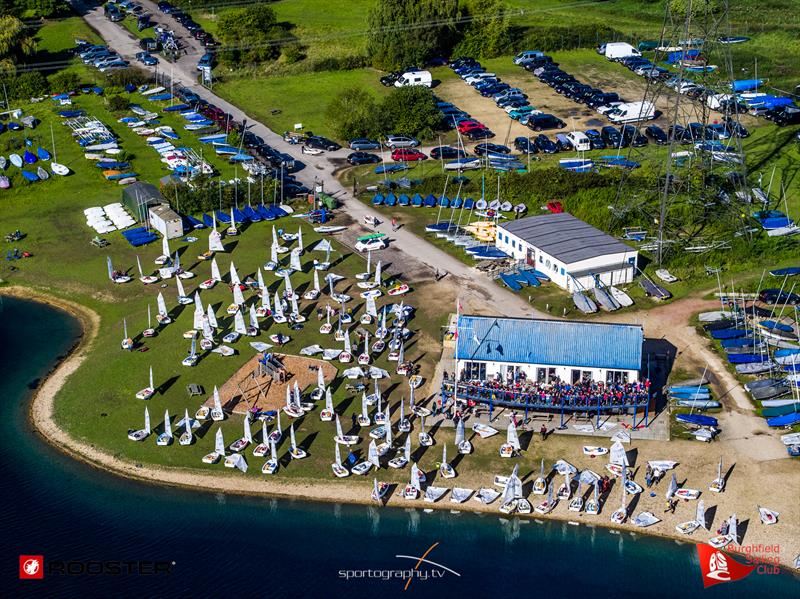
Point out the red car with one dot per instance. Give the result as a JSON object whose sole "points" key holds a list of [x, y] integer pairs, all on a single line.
{"points": [[465, 126], [407, 155]]}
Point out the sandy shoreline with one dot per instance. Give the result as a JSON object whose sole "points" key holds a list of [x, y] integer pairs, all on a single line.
{"points": [[355, 491]]}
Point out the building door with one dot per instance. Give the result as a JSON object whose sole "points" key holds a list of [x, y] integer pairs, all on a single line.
{"points": [[530, 257], [541, 375], [576, 376]]}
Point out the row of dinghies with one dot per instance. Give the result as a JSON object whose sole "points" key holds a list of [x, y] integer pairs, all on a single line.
{"points": [[29, 158], [432, 201]]}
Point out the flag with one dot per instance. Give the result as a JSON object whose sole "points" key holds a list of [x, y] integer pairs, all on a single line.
{"points": [[718, 567]]}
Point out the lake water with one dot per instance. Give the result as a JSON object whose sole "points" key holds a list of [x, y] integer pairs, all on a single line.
{"points": [[217, 545]]}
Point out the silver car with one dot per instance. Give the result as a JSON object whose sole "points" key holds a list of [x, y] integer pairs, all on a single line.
{"points": [[401, 141]]}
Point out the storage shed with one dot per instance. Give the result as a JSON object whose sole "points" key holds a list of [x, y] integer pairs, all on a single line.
{"points": [[166, 221], [138, 197]]}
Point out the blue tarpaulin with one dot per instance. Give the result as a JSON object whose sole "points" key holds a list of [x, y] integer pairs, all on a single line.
{"points": [[743, 85]]}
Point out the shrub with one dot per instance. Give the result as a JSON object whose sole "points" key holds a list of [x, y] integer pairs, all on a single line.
{"points": [[29, 85], [118, 103], [63, 82]]}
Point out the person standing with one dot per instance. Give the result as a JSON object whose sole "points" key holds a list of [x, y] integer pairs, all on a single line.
{"points": [[543, 432]]}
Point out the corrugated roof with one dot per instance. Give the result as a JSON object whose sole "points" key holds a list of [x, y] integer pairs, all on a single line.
{"points": [[565, 237], [550, 342]]}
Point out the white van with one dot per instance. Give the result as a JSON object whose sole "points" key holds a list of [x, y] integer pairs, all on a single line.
{"points": [[527, 55], [620, 50], [579, 141], [632, 112], [414, 78]]}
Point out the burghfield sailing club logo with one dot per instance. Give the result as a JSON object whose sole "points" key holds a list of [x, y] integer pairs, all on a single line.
{"points": [[423, 569], [717, 567]]}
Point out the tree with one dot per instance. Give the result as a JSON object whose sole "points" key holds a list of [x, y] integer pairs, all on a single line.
{"points": [[407, 32], [14, 44], [31, 84], [252, 34], [488, 33], [410, 111], [352, 113], [63, 81]]}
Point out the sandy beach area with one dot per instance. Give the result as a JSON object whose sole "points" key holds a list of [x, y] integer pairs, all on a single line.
{"points": [[756, 477]]}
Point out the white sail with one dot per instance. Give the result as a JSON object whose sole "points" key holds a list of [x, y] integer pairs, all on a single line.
{"points": [[511, 436], [700, 514], [193, 350], [273, 253], [402, 409], [217, 402], [199, 312], [215, 274], [253, 317], [364, 405], [165, 251], [146, 421], [516, 481], [124, 328], [369, 262], [207, 332], [148, 316], [372, 454], [673, 486], [347, 347], [316, 281], [624, 490], [219, 443], [401, 355], [296, 394], [733, 530], [265, 300], [339, 432], [187, 423], [291, 436], [411, 397], [288, 284], [278, 306], [294, 306], [378, 273], [618, 455], [234, 275], [328, 400], [139, 266], [215, 241], [371, 309], [289, 397], [508, 490], [300, 238], [388, 427], [241, 463], [459, 432], [238, 298], [407, 449], [181, 291], [167, 424], [152, 386], [274, 236], [272, 451], [415, 482], [212, 318], [176, 263], [294, 260], [110, 268], [260, 279], [444, 453], [238, 323], [338, 455], [247, 434], [320, 378]]}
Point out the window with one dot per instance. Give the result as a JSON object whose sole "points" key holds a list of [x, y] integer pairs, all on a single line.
{"points": [[547, 263], [562, 271], [540, 259], [474, 371], [616, 377], [555, 267]]}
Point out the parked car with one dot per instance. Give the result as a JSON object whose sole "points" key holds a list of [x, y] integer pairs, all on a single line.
{"points": [[735, 128], [357, 158], [146, 58], [321, 143], [595, 139], [206, 61], [407, 155], [165, 7], [485, 148], [540, 122], [401, 141], [447, 153], [476, 134], [563, 143], [632, 137], [776, 296], [611, 137], [517, 112], [148, 44], [545, 144], [364, 144], [469, 125], [525, 145], [657, 134]]}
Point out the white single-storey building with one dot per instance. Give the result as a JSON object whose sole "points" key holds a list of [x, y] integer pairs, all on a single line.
{"points": [[166, 221], [569, 251], [501, 348]]}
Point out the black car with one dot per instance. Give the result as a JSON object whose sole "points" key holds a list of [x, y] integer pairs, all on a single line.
{"points": [[148, 44], [485, 148], [447, 153], [785, 115], [679, 133], [776, 296], [476, 134], [540, 122], [525, 145], [545, 144], [357, 158], [321, 143], [388, 80], [611, 137], [632, 137], [595, 139], [657, 134], [165, 7], [736, 129]]}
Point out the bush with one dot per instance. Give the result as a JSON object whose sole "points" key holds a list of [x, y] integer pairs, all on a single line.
{"points": [[293, 53], [63, 82], [410, 111], [118, 104], [553, 38], [28, 85], [352, 113], [122, 77]]}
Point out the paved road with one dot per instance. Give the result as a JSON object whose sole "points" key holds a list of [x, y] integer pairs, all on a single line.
{"points": [[408, 253]]}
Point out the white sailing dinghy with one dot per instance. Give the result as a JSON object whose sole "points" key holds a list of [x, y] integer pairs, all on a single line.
{"points": [[380, 416], [260, 450], [363, 418], [460, 494], [414, 487], [645, 519], [116, 277], [183, 299], [576, 503], [290, 409], [191, 359], [142, 433], [484, 430], [273, 262], [236, 460], [338, 470], [165, 252], [363, 276], [618, 461], [341, 438], [372, 460], [245, 440], [346, 356], [297, 453], [402, 461], [186, 437], [424, 438], [163, 314], [127, 342], [370, 311], [217, 414], [278, 316], [149, 331], [511, 446], [565, 490], [403, 424], [619, 516], [486, 495], [718, 484], [326, 414], [730, 536], [547, 506], [445, 469], [364, 357], [510, 501], [219, 449], [313, 293], [277, 434], [378, 489], [271, 465], [148, 391], [216, 277], [593, 504], [687, 528], [386, 446], [434, 494], [165, 438], [540, 484], [145, 279], [594, 450], [464, 446], [253, 329], [768, 516]]}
